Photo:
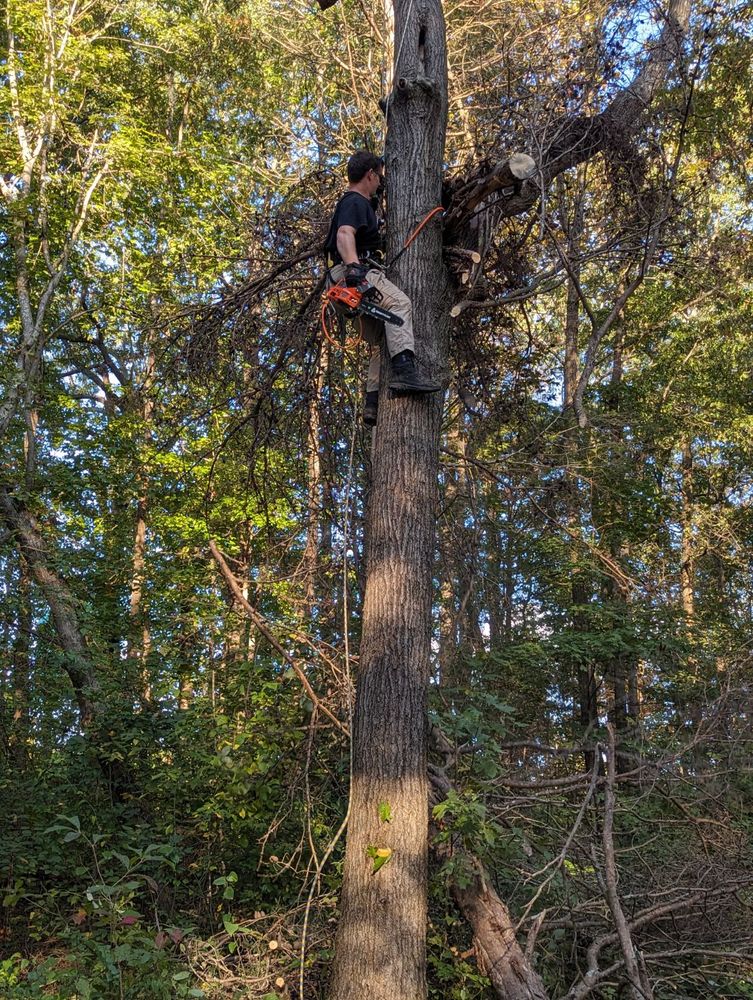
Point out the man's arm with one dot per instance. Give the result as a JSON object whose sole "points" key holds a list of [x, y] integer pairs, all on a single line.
{"points": [[346, 244]]}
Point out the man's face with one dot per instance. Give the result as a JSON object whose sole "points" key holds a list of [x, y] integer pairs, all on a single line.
{"points": [[375, 179]]}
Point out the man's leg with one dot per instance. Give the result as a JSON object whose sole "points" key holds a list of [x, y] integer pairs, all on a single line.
{"points": [[400, 343], [374, 336], [399, 338]]}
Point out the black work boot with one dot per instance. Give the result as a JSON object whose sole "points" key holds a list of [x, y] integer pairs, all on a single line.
{"points": [[406, 380], [370, 408]]}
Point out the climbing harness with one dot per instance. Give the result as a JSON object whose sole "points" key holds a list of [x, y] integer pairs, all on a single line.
{"points": [[348, 301]]}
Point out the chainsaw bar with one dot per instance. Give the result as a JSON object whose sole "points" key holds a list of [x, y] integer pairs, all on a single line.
{"points": [[375, 312]]}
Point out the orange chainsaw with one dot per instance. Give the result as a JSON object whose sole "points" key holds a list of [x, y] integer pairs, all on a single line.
{"points": [[358, 300]]}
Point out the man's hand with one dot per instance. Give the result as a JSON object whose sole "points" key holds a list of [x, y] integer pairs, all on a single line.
{"points": [[355, 275]]}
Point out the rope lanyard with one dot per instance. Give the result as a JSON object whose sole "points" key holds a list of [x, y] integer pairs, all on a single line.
{"points": [[413, 235]]}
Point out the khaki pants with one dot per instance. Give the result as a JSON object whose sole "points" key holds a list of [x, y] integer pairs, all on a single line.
{"points": [[399, 338]]}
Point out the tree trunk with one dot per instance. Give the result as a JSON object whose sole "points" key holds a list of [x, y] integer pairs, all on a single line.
{"points": [[139, 639], [586, 707], [499, 955], [622, 668], [450, 624], [687, 588], [315, 494], [381, 948], [20, 672], [139, 642], [77, 661]]}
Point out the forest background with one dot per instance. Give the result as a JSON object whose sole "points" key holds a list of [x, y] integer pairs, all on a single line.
{"points": [[184, 480]]}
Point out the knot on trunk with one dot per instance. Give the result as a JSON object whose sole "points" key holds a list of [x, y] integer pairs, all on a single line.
{"points": [[407, 88]]}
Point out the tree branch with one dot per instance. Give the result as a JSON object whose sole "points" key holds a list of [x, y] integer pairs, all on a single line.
{"points": [[261, 624]]}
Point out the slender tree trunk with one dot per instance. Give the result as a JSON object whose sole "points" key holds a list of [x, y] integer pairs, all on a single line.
{"points": [[448, 642], [140, 640], [21, 661], [381, 947], [20, 671], [185, 692], [586, 708], [315, 494], [448, 541], [239, 636], [687, 589], [77, 661], [624, 666]]}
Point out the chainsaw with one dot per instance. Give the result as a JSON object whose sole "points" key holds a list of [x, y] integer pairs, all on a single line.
{"points": [[359, 301]]}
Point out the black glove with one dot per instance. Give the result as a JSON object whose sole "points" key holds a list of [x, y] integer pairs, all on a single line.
{"points": [[355, 275]]}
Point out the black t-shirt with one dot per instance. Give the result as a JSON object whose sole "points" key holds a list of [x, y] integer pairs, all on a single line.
{"points": [[355, 210]]}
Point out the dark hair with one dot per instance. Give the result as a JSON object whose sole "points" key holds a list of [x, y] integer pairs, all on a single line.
{"points": [[361, 163]]}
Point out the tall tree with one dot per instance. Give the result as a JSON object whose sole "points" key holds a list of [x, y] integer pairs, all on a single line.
{"points": [[381, 936]]}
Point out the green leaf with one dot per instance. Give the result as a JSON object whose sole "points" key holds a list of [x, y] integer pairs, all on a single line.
{"points": [[379, 855], [385, 812]]}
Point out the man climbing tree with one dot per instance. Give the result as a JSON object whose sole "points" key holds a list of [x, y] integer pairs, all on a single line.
{"points": [[352, 243]]}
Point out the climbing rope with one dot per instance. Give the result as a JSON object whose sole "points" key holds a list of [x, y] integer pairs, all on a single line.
{"points": [[427, 218]]}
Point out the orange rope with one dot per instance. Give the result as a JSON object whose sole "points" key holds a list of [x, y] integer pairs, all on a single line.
{"points": [[421, 225], [349, 341]]}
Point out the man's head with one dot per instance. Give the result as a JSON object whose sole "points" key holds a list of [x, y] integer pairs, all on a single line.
{"points": [[366, 170]]}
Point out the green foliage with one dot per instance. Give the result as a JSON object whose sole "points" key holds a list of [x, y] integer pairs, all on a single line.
{"points": [[450, 972], [466, 815], [106, 929], [385, 812], [379, 856]]}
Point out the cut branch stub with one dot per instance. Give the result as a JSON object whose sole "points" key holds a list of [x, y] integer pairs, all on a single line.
{"points": [[512, 172]]}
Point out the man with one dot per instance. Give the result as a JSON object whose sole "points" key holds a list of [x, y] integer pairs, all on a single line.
{"points": [[353, 237]]}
